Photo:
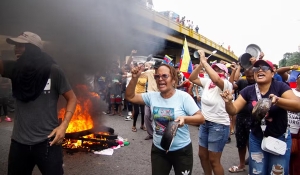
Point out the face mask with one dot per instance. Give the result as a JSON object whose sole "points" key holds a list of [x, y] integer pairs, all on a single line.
{"points": [[221, 75]]}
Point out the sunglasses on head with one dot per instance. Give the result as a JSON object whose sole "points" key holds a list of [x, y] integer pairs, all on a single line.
{"points": [[263, 68], [163, 76]]}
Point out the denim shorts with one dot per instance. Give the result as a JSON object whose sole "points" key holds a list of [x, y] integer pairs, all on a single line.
{"points": [[213, 136]]}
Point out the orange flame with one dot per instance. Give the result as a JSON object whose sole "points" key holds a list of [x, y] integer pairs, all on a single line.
{"points": [[82, 119]]}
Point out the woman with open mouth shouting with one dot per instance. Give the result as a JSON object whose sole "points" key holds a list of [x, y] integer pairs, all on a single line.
{"points": [[166, 106], [262, 159]]}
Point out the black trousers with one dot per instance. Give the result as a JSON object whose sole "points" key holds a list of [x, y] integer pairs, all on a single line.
{"points": [[136, 113], [181, 160], [22, 158], [3, 104]]}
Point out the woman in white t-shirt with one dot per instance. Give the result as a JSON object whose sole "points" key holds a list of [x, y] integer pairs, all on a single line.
{"points": [[213, 134]]}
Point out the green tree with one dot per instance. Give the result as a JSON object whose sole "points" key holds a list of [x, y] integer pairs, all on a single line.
{"points": [[294, 59], [282, 62]]}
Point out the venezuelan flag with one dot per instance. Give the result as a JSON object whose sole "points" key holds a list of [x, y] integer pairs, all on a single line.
{"points": [[186, 66], [167, 59], [293, 78]]}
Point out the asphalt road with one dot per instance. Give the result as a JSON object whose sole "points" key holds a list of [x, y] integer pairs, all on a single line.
{"points": [[129, 160]]}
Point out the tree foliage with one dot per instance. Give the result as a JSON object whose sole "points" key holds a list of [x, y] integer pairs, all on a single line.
{"points": [[290, 59]]}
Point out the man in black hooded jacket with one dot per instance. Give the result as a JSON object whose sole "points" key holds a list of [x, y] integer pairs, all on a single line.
{"points": [[37, 82]]}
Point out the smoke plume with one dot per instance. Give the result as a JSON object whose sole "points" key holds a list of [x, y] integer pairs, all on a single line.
{"points": [[84, 37]]}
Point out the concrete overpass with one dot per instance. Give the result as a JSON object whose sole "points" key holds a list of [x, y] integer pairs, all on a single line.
{"points": [[195, 40]]}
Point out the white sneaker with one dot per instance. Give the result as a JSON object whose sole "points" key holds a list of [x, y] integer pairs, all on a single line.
{"points": [[128, 118], [129, 113]]}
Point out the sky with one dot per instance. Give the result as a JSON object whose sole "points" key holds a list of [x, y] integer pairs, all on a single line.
{"points": [[273, 25]]}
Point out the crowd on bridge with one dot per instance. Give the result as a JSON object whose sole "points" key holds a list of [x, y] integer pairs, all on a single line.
{"points": [[255, 103]]}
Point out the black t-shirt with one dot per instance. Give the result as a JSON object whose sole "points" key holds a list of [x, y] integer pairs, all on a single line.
{"points": [[278, 125], [35, 120], [242, 83]]}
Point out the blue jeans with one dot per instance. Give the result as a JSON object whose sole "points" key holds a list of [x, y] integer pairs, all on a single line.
{"points": [[261, 162], [213, 136], [198, 103]]}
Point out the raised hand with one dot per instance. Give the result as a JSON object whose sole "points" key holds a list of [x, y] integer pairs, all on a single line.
{"points": [[136, 71], [202, 56], [227, 96], [261, 56], [252, 60], [294, 67]]}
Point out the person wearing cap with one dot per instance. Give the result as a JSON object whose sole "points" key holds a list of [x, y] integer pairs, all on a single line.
{"points": [[213, 134], [283, 100], [37, 82]]}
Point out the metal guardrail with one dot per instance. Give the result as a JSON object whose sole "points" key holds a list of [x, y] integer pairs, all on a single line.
{"points": [[161, 19]]}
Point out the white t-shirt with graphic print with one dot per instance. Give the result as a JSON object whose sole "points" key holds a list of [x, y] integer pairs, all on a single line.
{"points": [[213, 106]]}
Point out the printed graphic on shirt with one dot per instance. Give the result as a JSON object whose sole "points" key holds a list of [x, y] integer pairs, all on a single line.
{"points": [[47, 87], [162, 116], [294, 119]]}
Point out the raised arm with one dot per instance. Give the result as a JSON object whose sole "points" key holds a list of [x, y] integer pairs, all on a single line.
{"points": [[215, 78], [130, 57], [283, 71], [194, 75], [237, 73], [233, 76], [130, 94]]}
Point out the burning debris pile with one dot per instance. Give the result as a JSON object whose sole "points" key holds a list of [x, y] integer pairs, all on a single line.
{"points": [[81, 134]]}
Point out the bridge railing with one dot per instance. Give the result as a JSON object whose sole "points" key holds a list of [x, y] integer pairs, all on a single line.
{"points": [[166, 21]]}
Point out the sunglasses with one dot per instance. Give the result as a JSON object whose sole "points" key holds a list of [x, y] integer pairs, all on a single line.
{"points": [[163, 76], [263, 68]]}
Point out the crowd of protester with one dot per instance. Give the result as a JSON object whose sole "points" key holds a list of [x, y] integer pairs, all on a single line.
{"points": [[219, 97], [222, 93]]}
